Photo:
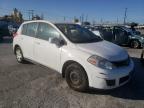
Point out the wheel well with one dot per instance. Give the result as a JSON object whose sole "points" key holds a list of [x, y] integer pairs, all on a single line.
{"points": [[66, 64], [134, 40], [16, 46]]}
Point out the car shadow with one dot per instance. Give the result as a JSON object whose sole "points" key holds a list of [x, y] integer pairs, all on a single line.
{"points": [[133, 90]]}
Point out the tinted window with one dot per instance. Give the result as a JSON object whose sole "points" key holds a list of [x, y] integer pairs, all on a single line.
{"points": [[45, 31], [30, 29]]}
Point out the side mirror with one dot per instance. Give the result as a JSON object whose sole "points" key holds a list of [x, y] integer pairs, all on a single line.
{"points": [[58, 42]]}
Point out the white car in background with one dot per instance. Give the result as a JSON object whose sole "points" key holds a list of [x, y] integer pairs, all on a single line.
{"points": [[95, 31], [85, 60]]}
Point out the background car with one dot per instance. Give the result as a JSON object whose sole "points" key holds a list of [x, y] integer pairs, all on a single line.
{"points": [[95, 30], [125, 36], [104, 32], [122, 35], [7, 28]]}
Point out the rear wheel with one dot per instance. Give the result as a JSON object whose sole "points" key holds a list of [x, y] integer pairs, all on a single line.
{"points": [[19, 55], [135, 44], [76, 77]]}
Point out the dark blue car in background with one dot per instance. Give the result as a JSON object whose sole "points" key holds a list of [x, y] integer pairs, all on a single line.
{"points": [[7, 28]]}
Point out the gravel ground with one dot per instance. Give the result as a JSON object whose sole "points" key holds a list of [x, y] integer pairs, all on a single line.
{"points": [[35, 86]]}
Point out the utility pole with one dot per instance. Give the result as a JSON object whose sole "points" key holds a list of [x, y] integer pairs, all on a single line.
{"points": [[101, 21], [74, 17], [125, 16], [82, 18], [42, 16], [64, 18], [117, 20], [86, 17], [30, 14]]}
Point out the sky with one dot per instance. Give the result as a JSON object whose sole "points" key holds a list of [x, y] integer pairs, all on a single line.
{"points": [[92, 10]]}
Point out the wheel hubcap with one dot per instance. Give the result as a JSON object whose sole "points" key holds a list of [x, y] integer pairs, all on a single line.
{"points": [[135, 44], [75, 78], [18, 55]]}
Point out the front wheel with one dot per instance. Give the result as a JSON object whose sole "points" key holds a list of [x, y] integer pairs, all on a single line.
{"points": [[19, 55], [76, 77], [135, 44]]}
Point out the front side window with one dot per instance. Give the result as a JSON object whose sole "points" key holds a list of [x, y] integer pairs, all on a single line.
{"points": [[30, 29], [78, 34], [46, 31]]}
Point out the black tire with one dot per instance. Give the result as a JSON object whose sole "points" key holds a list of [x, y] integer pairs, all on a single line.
{"points": [[19, 55], [76, 77], [135, 44]]}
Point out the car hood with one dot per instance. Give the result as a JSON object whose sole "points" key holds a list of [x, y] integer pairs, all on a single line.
{"points": [[137, 37], [104, 49]]}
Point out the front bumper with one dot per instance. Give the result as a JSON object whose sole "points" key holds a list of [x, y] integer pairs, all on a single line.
{"points": [[109, 79]]}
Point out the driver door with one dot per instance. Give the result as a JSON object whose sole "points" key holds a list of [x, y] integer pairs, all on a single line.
{"points": [[45, 52]]}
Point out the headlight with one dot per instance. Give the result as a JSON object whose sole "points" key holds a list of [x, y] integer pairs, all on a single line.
{"points": [[101, 62], [142, 38]]}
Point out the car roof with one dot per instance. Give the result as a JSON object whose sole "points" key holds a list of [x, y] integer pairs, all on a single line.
{"points": [[46, 21], [64, 23]]}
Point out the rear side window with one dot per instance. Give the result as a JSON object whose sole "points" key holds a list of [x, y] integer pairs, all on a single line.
{"points": [[30, 29], [45, 31]]}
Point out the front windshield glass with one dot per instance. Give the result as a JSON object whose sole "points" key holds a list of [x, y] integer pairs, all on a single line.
{"points": [[77, 34]]}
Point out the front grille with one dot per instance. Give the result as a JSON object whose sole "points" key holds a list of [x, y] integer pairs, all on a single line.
{"points": [[110, 82], [123, 79], [122, 63]]}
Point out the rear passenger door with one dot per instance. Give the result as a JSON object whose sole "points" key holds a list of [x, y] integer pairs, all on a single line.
{"points": [[28, 35]]}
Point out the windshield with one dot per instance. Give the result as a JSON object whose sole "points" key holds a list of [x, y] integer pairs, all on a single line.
{"points": [[77, 34]]}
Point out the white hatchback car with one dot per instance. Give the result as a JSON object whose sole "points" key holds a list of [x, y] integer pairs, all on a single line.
{"points": [[84, 59]]}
